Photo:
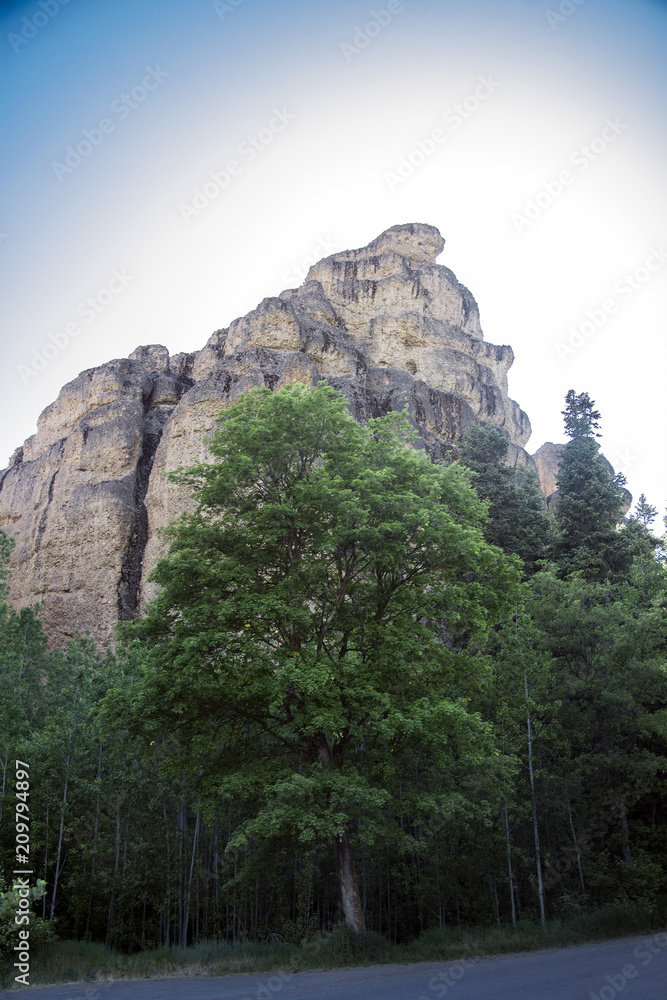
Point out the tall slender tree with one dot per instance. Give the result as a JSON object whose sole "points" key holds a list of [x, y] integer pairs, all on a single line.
{"points": [[644, 512], [590, 501]]}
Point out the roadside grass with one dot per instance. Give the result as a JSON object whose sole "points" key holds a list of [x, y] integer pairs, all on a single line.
{"points": [[82, 961]]}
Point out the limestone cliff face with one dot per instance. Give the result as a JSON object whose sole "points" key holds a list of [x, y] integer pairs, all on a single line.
{"points": [[85, 496]]}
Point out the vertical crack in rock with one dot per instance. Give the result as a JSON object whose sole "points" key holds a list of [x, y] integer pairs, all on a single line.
{"points": [[41, 528], [129, 585]]}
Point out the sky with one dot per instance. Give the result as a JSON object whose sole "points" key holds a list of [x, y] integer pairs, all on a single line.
{"points": [[167, 164]]}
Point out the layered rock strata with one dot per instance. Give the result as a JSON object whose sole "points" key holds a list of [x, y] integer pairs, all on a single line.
{"points": [[385, 325]]}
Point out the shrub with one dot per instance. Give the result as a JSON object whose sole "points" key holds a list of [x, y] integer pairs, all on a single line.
{"points": [[9, 907]]}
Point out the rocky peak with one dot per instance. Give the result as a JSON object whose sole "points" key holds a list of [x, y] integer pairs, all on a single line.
{"points": [[414, 241], [383, 324]]}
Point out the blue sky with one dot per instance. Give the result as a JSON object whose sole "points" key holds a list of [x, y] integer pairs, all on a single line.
{"points": [[546, 180]]}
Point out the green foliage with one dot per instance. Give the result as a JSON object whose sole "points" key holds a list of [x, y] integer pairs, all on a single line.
{"points": [[313, 616], [590, 503], [608, 691], [581, 420], [37, 928], [339, 646], [518, 522], [644, 512], [6, 548]]}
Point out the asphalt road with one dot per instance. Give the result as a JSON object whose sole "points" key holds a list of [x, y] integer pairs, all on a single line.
{"points": [[632, 968]]}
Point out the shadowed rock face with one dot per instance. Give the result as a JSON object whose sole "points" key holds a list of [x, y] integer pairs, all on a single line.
{"points": [[547, 461], [85, 496]]}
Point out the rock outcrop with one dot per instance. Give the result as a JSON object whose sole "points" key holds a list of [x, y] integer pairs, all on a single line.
{"points": [[547, 461], [385, 325]]}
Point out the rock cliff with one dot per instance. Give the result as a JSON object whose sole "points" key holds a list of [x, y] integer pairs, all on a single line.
{"points": [[546, 461], [385, 325]]}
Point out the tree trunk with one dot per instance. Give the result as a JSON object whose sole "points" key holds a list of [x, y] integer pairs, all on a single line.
{"points": [[346, 876], [46, 859], [510, 872], [536, 834], [60, 846], [625, 833], [576, 845], [184, 929], [97, 822]]}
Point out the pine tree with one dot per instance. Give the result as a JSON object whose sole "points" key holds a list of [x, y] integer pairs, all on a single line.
{"points": [[581, 420], [644, 512], [590, 501]]}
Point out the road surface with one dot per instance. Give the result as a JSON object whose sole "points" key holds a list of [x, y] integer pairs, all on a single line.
{"points": [[632, 968]]}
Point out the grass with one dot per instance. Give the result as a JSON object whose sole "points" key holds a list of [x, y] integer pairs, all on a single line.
{"points": [[81, 961]]}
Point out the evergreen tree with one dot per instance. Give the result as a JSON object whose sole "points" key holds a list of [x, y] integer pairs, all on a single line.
{"points": [[646, 548], [518, 521], [581, 420], [644, 513], [608, 691], [589, 503]]}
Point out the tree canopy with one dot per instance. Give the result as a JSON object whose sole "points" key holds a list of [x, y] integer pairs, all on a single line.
{"points": [[320, 619]]}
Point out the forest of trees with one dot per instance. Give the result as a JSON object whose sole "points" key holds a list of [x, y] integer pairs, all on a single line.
{"points": [[373, 689]]}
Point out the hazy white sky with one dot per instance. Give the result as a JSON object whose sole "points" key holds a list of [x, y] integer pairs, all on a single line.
{"points": [[532, 134]]}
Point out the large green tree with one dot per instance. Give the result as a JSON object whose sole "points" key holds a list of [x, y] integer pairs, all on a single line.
{"points": [[319, 616]]}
